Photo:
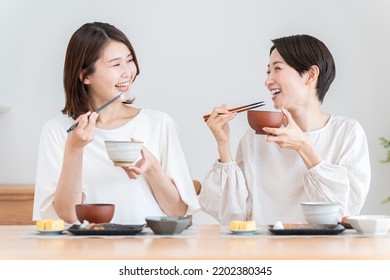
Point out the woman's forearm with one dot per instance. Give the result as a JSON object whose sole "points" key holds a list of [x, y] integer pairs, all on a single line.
{"points": [[165, 192], [69, 188]]}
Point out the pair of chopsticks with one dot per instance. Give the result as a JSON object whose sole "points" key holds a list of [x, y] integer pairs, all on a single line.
{"points": [[240, 109], [97, 110]]}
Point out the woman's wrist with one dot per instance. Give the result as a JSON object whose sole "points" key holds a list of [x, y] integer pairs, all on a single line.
{"points": [[73, 151], [224, 153], [309, 155]]}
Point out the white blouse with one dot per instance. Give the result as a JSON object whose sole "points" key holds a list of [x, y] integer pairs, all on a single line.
{"points": [[266, 183], [105, 183]]}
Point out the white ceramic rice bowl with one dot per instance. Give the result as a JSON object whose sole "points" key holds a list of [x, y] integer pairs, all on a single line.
{"points": [[321, 212], [123, 153]]}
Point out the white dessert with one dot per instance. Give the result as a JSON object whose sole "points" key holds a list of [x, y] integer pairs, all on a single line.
{"points": [[278, 225], [84, 224]]}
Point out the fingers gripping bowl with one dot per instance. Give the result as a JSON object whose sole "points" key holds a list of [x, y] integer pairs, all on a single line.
{"points": [[123, 153]]}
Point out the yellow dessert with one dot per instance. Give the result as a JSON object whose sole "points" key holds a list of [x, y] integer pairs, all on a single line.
{"points": [[40, 224], [235, 225], [249, 225], [242, 225], [50, 225]]}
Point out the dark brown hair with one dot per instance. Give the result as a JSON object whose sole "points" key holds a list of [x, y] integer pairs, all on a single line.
{"points": [[302, 52], [84, 49]]}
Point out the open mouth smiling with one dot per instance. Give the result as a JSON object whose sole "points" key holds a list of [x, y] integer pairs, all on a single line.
{"points": [[276, 91], [122, 86]]}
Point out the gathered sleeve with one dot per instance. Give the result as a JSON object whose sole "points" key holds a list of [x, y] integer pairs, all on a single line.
{"points": [[224, 193], [175, 164], [346, 181]]}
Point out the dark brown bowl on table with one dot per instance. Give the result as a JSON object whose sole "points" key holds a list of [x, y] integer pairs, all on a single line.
{"points": [[95, 212], [259, 119]]}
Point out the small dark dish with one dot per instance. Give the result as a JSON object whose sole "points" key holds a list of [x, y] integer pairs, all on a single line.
{"points": [[95, 212], [168, 225], [259, 119], [308, 229], [109, 229]]}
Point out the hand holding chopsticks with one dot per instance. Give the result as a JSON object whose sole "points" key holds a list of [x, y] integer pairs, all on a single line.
{"points": [[97, 110], [241, 109]]}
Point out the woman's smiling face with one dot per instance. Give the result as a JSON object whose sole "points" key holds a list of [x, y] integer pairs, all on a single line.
{"points": [[114, 72], [287, 86]]}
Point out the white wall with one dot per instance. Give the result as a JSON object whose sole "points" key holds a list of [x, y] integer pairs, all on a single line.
{"points": [[193, 56]]}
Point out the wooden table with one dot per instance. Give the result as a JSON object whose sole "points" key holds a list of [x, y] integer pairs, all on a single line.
{"points": [[205, 244]]}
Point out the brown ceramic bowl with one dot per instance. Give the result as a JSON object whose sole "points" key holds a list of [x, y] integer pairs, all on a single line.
{"points": [[259, 119], [95, 212]]}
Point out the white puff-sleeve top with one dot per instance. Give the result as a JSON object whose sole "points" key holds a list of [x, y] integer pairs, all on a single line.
{"points": [[105, 183]]}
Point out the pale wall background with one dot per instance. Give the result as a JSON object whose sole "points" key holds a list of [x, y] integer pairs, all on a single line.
{"points": [[194, 55]]}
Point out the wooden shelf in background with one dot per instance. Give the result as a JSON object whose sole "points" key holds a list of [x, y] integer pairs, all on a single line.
{"points": [[16, 204]]}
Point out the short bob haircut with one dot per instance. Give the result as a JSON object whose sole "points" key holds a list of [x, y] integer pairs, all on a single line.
{"points": [[302, 52], [84, 49]]}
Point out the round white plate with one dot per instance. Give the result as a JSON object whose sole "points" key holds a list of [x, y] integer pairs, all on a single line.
{"points": [[243, 231], [50, 232]]}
